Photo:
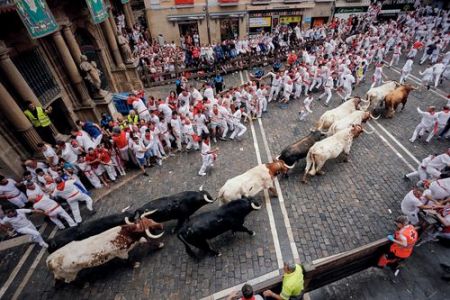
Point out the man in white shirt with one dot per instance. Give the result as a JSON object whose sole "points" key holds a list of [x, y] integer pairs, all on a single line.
{"points": [[209, 92], [72, 194], [437, 190], [438, 163], [49, 153], [438, 69], [17, 219], [428, 121], [67, 152], [83, 139], [139, 149], [411, 205], [49, 207], [176, 125], [10, 192], [442, 118]]}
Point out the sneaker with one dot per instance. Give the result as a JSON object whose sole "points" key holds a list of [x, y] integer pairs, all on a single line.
{"points": [[159, 162], [43, 245], [201, 174], [214, 140], [411, 140], [222, 138], [171, 154], [405, 177]]}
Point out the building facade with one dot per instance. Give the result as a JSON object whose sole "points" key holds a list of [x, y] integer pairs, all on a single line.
{"points": [[46, 71], [235, 18]]}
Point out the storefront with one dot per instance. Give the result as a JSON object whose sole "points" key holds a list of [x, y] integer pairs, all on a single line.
{"points": [[229, 28], [318, 21], [345, 12], [267, 21], [392, 11]]}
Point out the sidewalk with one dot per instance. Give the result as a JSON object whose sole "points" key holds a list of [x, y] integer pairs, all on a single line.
{"points": [[420, 278]]}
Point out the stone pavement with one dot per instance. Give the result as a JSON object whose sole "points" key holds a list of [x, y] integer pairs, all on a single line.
{"points": [[352, 204]]}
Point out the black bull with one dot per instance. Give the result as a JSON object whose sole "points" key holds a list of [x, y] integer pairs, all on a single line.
{"points": [[298, 150], [179, 206], [208, 225]]}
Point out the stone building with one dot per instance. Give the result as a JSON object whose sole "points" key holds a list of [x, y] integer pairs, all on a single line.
{"points": [[236, 18], [46, 71]]}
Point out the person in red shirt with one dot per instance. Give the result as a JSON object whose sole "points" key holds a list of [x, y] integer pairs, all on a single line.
{"points": [[104, 155], [92, 158]]}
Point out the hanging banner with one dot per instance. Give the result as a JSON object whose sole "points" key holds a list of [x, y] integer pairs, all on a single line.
{"points": [[98, 10], [37, 17], [124, 1]]}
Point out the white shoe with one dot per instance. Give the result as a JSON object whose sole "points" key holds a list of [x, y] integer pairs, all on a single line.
{"points": [[202, 174], [411, 140], [43, 245], [159, 162]]}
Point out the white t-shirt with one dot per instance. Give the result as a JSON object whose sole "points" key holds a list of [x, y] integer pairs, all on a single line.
{"points": [[410, 204], [18, 221], [68, 154], [49, 152], [10, 190], [139, 149]]}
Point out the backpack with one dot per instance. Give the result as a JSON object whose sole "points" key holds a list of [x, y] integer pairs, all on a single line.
{"points": [[431, 49]]}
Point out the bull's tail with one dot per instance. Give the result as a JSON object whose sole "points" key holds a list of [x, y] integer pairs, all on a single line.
{"points": [[186, 245], [220, 197], [310, 165]]}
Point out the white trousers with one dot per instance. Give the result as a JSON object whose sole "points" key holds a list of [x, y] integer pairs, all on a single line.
{"points": [[207, 160], [60, 212], [404, 76], [239, 130], [19, 201], [93, 179], [274, 91], [327, 92], [202, 129], [420, 130], [111, 170], [75, 208], [33, 233]]}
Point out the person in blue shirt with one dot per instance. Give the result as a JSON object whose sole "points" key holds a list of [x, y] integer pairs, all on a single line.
{"points": [[218, 83], [94, 131], [104, 122]]}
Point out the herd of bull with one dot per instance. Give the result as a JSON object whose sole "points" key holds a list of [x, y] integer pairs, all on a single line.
{"points": [[99, 241]]}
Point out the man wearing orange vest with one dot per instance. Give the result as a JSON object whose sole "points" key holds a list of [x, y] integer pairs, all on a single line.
{"points": [[403, 241], [120, 139]]}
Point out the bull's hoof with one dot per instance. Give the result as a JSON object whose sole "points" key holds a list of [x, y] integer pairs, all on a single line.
{"points": [[252, 233]]}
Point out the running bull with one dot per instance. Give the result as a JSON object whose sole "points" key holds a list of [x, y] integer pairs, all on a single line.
{"points": [[298, 150], [66, 262], [87, 229], [179, 206], [328, 148], [250, 183], [208, 225]]}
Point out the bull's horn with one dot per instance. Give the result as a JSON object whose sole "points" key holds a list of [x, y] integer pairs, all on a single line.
{"points": [[207, 199], [127, 221], [150, 235], [374, 117], [277, 158], [148, 213], [368, 132], [255, 207], [363, 100], [289, 167]]}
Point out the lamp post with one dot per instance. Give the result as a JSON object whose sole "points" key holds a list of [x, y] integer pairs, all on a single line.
{"points": [[207, 21]]}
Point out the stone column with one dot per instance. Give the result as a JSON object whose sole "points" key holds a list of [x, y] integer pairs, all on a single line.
{"points": [[16, 117], [128, 12], [112, 42], [15, 77], [72, 69], [72, 43]]}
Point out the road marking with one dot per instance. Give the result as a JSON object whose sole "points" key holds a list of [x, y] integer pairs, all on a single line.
{"points": [[32, 268], [392, 147], [273, 228], [22, 260], [224, 293], [287, 223], [398, 143]]}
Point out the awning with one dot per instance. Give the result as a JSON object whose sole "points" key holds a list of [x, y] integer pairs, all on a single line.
{"points": [[180, 18], [232, 14]]}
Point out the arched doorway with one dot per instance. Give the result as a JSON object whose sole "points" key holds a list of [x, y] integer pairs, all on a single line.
{"points": [[88, 48]]}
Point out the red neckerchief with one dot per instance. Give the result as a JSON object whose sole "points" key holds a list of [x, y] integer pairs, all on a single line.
{"points": [[60, 186]]}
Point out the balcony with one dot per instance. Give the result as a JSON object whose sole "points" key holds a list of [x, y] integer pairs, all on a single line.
{"points": [[261, 2], [184, 3], [228, 2], [294, 1]]}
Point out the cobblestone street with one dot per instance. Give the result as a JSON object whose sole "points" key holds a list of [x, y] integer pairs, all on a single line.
{"points": [[351, 205]]}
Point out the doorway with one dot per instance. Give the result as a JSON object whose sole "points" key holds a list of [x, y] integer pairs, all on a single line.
{"points": [[60, 116], [188, 29]]}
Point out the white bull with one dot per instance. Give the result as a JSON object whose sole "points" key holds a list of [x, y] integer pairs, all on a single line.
{"points": [[355, 118], [377, 94], [67, 261], [329, 148], [343, 110], [251, 182]]}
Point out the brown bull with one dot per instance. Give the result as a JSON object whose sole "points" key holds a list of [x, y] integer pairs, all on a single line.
{"points": [[397, 96]]}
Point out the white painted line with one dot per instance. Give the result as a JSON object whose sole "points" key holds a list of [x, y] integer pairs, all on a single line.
{"points": [[287, 223], [254, 281], [22, 260], [273, 228], [398, 143], [392, 148], [32, 268]]}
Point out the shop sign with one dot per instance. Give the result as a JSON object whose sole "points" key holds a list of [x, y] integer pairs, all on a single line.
{"points": [[350, 10], [291, 19], [98, 10], [260, 22], [37, 17], [124, 1]]}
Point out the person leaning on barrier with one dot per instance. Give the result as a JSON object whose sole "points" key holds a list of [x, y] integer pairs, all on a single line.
{"points": [[247, 294], [292, 285], [403, 241]]}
